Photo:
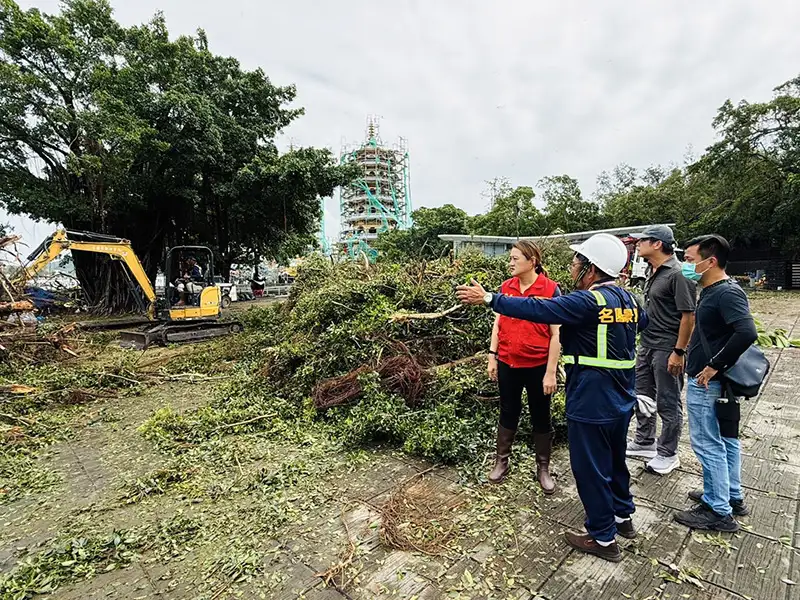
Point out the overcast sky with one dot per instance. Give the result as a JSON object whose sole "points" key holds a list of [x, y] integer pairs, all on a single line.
{"points": [[508, 88]]}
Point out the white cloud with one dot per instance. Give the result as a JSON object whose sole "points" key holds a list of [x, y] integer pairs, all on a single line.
{"points": [[508, 88]]}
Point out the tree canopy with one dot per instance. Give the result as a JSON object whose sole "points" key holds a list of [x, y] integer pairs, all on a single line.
{"points": [[565, 209], [747, 185], [513, 213], [125, 131], [422, 241]]}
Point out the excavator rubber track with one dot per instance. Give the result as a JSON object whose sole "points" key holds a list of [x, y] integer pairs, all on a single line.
{"points": [[177, 333]]}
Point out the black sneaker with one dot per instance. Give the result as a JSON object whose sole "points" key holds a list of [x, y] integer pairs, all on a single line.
{"points": [[702, 517], [626, 529], [738, 506]]}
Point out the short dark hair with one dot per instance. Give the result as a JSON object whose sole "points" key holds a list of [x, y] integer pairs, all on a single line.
{"points": [[712, 245]]}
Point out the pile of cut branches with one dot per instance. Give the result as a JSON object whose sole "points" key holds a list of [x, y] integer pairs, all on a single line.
{"points": [[377, 354], [384, 354]]}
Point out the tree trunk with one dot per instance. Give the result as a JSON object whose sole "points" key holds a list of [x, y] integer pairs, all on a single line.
{"points": [[107, 285]]}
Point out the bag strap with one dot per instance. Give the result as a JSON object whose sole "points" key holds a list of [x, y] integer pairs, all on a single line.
{"points": [[703, 339]]}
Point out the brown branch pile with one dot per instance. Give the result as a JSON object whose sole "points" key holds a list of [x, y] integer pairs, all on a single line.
{"points": [[420, 516], [24, 343], [401, 375]]}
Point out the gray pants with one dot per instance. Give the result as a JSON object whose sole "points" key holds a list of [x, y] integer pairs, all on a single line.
{"points": [[653, 380]]}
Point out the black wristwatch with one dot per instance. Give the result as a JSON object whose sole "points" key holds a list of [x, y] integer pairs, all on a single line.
{"points": [[679, 351]]}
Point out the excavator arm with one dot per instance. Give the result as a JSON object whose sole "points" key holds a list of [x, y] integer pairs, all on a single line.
{"points": [[116, 248]]}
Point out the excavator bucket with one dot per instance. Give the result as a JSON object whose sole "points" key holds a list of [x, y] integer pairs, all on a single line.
{"points": [[140, 340]]}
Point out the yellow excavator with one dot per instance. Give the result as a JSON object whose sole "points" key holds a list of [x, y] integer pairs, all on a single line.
{"points": [[186, 313]]}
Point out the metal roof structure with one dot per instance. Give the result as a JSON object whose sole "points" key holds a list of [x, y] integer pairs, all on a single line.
{"points": [[494, 245], [569, 237]]}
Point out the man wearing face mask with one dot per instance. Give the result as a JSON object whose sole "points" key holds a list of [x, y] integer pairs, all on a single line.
{"points": [[598, 335], [724, 329]]}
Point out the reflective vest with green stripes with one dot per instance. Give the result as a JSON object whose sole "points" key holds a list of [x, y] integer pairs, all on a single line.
{"points": [[606, 317]]}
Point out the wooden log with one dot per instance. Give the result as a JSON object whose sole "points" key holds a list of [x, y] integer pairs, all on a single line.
{"points": [[13, 307]]}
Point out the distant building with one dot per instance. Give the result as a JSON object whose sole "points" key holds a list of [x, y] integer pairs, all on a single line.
{"points": [[379, 200]]}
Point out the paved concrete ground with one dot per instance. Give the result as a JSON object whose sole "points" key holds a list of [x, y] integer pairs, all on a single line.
{"points": [[667, 561], [762, 561], [507, 540]]}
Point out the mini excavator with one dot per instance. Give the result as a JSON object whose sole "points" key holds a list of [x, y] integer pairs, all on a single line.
{"points": [[193, 317]]}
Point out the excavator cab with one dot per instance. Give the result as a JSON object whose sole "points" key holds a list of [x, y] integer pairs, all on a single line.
{"points": [[190, 292]]}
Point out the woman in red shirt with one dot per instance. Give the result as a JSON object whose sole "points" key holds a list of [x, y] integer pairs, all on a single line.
{"points": [[525, 355]]}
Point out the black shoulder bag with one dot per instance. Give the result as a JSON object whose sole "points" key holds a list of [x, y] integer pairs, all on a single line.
{"points": [[746, 376]]}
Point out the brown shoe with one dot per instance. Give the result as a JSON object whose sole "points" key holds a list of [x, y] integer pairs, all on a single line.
{"points": [[505, 439], [544, 447], [626, 529], [585, 543]]}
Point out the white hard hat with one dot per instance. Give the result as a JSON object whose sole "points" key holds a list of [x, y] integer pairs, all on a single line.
{"points": [[605, 251]]}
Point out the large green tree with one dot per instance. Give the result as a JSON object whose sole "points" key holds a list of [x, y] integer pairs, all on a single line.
{"points": [[747, 185], [124, 131], [421, 241], [630, 197], [565, 209], [512, 213]]}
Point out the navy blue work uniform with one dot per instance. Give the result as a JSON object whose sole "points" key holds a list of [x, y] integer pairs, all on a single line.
{"points": [[598, 340]]}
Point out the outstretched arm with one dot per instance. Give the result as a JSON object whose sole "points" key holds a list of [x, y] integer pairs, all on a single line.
{"points": [[573, 309]]}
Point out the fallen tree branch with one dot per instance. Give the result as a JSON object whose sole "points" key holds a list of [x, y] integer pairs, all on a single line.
{"points": [[460, 361], [14, 418], [400, 317], [114, 376], [346, 561], [254, 419]]}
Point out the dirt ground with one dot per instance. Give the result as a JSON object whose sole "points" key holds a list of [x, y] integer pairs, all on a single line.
{"points": [[288, 514]]}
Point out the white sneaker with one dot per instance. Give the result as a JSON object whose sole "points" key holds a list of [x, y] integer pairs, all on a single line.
{"points": [[664, 464], [640, 451]]}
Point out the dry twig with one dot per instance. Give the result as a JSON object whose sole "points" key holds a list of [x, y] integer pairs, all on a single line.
{"points": [[346, 560], [245, 422]]}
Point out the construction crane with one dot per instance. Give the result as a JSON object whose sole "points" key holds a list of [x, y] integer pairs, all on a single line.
{"points": [[193, 319]]}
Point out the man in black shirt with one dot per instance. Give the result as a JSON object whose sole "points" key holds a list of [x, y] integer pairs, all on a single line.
{"points": [[724, 329]]}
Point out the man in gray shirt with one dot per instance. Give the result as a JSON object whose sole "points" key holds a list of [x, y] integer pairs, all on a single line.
{"points": [[670, 301]]}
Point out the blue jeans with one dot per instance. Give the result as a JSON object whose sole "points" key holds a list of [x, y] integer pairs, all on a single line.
{"points": [[720, 457]]}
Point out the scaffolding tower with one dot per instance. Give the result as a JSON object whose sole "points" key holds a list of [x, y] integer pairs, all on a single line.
{"points": [[380, 199]]}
